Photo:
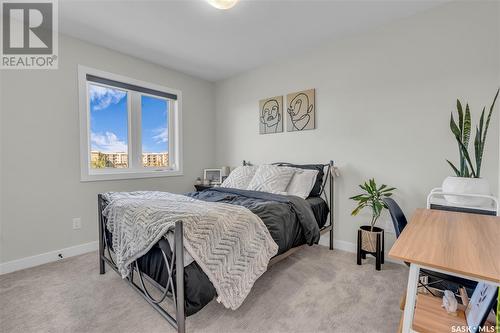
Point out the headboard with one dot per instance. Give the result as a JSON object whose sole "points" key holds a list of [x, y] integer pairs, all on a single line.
{"points": [[331, 171]]}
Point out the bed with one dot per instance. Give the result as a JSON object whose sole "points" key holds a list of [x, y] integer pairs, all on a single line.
{"points": [[291, 221]]}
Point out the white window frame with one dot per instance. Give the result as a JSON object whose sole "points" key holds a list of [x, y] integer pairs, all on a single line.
{"points": [[135, 167]]}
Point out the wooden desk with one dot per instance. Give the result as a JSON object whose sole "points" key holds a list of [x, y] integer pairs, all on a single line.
{"points": [[465, 245]]}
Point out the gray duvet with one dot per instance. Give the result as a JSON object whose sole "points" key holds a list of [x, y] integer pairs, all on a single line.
{"points": [[289, 219]]}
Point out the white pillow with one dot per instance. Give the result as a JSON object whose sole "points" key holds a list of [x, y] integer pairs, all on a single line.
{"points": [[271, 178], [302, 183], [240, 177]]}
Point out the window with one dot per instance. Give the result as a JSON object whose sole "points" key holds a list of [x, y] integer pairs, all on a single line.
{"points": [[108, 109], [128, 128], [154, 131]]}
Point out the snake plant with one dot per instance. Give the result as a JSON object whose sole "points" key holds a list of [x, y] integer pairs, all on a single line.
{"points": [[372, 197], [462, 132]]}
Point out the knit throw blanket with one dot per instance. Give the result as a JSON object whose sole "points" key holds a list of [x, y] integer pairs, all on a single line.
{"points": [[230, 244]]}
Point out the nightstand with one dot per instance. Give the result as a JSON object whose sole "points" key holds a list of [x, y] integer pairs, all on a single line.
{"points": [[201, 187]]}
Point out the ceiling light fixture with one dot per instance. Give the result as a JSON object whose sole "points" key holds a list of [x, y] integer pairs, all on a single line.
{"points": [[222, 4]]}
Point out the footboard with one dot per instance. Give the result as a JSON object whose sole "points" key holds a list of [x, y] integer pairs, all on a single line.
{"points": [[174, 292]]}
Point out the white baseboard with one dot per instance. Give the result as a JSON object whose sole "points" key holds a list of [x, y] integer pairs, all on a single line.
{"points": [[350, 247], [44, 258]]}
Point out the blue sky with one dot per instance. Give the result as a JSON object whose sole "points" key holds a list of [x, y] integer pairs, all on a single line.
{"points": [[154, 125], [109, 121]]}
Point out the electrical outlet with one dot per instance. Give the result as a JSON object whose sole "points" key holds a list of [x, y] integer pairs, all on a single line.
{"points": [[77, 223]]}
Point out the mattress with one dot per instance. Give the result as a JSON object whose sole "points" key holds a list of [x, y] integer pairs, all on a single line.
{"points": [[274, 210], [320, 210]]}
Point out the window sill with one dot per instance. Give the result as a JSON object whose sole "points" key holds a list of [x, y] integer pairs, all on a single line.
{"points": [[129, 175]]}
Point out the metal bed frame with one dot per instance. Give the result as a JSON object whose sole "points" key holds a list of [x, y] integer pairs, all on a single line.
{"points": [[175, 292]]}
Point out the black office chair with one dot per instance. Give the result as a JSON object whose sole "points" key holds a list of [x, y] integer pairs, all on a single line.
{"points": [[443, 281]]}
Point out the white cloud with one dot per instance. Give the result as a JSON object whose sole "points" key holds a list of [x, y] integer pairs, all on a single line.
{"points": [[103, 97], [161, 135], [107, 143]]}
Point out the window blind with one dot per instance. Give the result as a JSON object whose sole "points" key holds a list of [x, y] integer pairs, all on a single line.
{"points": [[118, 84]]}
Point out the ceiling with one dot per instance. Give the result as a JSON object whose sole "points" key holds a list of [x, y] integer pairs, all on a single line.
{"points": [[195, 38]]}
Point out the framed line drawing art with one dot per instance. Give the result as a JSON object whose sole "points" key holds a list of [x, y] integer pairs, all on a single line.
{"points": [[479, 305], [271, 115], [301, 110]]}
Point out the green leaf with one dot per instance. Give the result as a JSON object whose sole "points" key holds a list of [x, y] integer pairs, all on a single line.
{"points": [[373, 186], [460, 115], [481, 123], [467, 127], [357, 210], [466, 172], [454, 128], [457, 172], [461, 132], [364, 200], [489, 117], [463, 149], [360, 200], [461, 127], [467, 157], [483, 139], [478, 151]]}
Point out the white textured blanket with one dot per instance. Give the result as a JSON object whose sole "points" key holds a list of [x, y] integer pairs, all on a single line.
{"points": [[230, 244]]}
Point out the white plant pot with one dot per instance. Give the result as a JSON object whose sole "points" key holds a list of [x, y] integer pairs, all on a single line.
{"points": [[462, 185]]}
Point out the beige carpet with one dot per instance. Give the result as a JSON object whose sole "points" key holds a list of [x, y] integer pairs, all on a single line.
{"points": [[314, 290]]}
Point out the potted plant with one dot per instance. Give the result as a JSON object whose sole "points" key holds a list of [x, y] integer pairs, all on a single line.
{"points": [[467, 179], [371, 198]]}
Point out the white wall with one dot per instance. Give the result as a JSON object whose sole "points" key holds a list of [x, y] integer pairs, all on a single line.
{"points": [[383, 104], [40, 179]]}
